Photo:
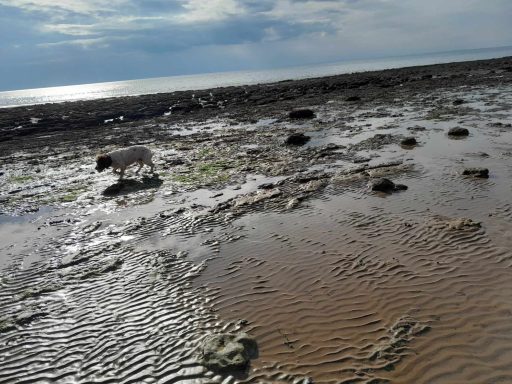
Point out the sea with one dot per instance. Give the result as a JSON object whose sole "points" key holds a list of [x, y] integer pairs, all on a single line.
{"points": [[224, 79]]}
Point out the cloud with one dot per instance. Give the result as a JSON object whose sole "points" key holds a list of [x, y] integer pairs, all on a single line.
{"points": [[100, 42], [199, 11], [91, 38], [66, 7]]}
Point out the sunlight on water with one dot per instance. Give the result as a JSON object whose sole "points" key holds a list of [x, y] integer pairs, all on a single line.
{"points": [[224, 79]]}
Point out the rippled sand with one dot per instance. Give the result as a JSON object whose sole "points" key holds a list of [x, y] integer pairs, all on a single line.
{"points": [[343, 286]]}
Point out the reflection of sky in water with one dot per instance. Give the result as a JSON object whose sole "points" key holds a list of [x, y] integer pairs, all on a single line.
{"points": [[212, 80]]}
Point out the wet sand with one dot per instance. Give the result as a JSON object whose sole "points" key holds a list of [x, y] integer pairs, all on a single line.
{"points": [[109, 282]]}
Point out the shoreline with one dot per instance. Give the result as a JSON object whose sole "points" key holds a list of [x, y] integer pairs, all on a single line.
{"points": [[75, 115]]}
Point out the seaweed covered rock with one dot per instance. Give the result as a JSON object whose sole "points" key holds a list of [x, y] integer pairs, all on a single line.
{"points": [[297, 139], [409, 141], [382, 184], [458, 132], [476, 172], [227, 351], [462, 224]]}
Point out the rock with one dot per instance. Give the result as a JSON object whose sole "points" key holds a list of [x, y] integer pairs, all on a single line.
{"points": [[27, 316], [382, 185], [297, 139], [458, 102], [313, 185], [174, 162], [39, 290], [6, 325], [401, 187], [260, 195], [353, 98], [301, 114], [462, 223], [92, 227], [458, 131], [476, 172], [266, 186], [385, 185], [292, 203], [226, 351], [409, 141]]}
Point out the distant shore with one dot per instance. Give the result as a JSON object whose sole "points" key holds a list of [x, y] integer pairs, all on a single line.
{"points": [[246, 102]]}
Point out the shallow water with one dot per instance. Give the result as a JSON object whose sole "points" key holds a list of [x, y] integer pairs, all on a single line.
{"points": [[349, 286], [213, 80]]}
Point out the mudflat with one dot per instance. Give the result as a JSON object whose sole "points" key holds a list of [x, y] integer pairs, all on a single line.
{"points": [[347, 229]]}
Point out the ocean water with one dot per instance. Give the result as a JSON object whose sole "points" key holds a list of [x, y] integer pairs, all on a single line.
{"points": [[222, 79]]}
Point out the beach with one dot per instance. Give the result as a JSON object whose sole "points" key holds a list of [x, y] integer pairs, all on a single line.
{"points": [[267, 222]]}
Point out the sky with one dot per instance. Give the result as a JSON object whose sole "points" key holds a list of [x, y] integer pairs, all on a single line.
{"points": [[60, 42]]}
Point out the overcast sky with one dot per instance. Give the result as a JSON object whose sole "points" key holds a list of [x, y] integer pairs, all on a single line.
{"points": [[60, 42]]}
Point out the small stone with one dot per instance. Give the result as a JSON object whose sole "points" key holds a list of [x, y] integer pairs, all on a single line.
{"points": [[458, 102], [458, 131], [353, 98], [476, 172], [297, 139], [408, 141]]}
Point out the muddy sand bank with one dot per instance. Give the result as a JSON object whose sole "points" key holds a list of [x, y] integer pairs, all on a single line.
{"points": [[361, 242]]}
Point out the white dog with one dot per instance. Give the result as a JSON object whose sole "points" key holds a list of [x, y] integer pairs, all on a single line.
{"points": [[122, 158]]}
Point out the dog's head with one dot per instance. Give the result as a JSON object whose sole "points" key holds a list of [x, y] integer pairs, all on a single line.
{"points": [[103, 162]]}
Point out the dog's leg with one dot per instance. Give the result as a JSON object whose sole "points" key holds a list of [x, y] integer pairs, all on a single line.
{"points": [[152, 165], [140, 166], [121, 174]]}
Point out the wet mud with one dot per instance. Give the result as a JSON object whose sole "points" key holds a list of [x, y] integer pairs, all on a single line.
{"points": [[161, 277]]}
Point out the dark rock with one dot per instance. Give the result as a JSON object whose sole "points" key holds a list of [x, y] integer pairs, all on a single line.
{"points": [[226, 351], [476, 172], [301, 114], [409, 141], [458, 102], [385, 185], [458, 131], [297, 139], [353, 98], [177, 161], [266, 186], [381, 185], [401, 187]]}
